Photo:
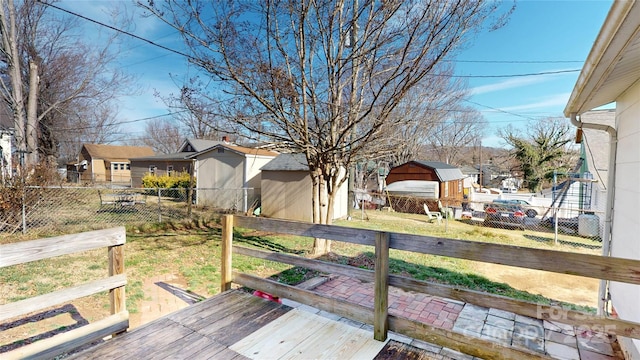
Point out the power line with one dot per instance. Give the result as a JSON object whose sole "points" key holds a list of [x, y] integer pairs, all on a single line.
{"points": [[512, 75], [449, 75], [515, 61], [117, 30], [123, 122]]}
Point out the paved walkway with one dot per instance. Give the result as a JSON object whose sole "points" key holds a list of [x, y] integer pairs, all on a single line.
{"points": [[557, 340]]}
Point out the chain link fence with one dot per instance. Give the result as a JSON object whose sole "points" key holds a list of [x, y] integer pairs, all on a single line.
{"points": [[567, 222], [73, 209]]}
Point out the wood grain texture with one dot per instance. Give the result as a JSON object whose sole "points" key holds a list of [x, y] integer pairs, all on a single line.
{"points": [[381, 288], [539, 311], [67, 341], [225, 256], [37, 303], [318, 265], [594, 266], [352, 311], [27, 251], [331, 232], [116, 267], [303, 335]]}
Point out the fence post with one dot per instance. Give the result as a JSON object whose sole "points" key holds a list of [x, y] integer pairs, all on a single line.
{"points": [[24, 210], [381, 291], [225, 258], [159, 207]]}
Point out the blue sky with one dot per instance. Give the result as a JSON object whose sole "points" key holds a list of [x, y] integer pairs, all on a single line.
{"points": [[541, 36]]}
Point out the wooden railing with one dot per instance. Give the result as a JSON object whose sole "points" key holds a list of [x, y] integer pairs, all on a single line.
{"points": [[28, 251], [615, 269]]}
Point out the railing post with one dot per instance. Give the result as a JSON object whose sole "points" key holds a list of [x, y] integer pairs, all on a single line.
{"points": [[225, 258], [381, 291], [116, 267]]}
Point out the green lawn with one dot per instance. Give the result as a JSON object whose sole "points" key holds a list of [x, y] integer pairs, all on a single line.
{"points": [[192, 250]]}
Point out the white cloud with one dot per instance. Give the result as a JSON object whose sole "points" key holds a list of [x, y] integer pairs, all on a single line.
{"points": [[508, 84], [517, 82], [545, 103]]}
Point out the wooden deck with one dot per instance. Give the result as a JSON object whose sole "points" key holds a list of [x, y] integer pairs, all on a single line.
{"points": [[238, 325]]}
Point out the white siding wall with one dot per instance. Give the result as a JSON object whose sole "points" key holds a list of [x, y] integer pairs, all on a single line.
{"points": [[626, 227], [252, 170], [222, 170]]}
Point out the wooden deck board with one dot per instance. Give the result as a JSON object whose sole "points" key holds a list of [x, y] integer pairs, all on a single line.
{"points": [[233, 315], [233, 333], [302, 335], [236, 325], [222, 304], [280, 336], [396, 350]]}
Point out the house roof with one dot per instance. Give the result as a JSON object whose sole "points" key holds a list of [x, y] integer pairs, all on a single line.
{"points": [[116, 153], [612, 65], [237, 149], [199, 144], [287, 162], [469, 170], [445, 172], [174, 156], [596, 142]]}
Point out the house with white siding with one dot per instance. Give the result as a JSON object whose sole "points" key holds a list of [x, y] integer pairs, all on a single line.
{"points": [[611, 75]]}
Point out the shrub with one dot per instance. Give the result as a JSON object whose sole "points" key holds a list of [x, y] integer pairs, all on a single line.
{"points": [[177, 181]]}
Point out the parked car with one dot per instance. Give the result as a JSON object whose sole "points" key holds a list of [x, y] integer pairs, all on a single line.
{"points": [[529, 209], [504, 214]]}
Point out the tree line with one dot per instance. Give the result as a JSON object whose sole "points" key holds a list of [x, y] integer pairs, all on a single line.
{"points": [[343, 82]]}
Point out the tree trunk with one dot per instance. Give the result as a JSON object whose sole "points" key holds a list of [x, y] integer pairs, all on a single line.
{"points": [[320, 213], [16, 98], [31, 134]]}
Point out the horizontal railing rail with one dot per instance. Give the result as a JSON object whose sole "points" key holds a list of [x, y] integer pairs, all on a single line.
{"points": [[615, 269], [28, 251]]}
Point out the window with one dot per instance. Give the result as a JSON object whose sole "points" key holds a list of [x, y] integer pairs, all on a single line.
{"points": [[170, 170], [119, 166], [220, 151], [152, 169]]}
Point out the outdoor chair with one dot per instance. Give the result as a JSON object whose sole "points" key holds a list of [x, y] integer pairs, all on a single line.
{"points": [[432, 215]]}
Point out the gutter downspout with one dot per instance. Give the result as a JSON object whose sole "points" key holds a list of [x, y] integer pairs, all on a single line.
{"points": [[606, 241]]}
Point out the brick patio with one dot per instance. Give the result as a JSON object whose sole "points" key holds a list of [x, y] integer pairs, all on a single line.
{"points": [[560, 341]]}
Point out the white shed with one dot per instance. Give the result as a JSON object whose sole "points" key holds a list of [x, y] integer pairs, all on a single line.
{"points": [[228, 176], [287, 190]]}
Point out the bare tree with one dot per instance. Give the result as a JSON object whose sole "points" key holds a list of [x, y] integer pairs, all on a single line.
{"points": [[197, 113], [545, 146], [461, 128], [84, 125], [12, 83], [324, 76], [164, 136], [68, 82]]}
